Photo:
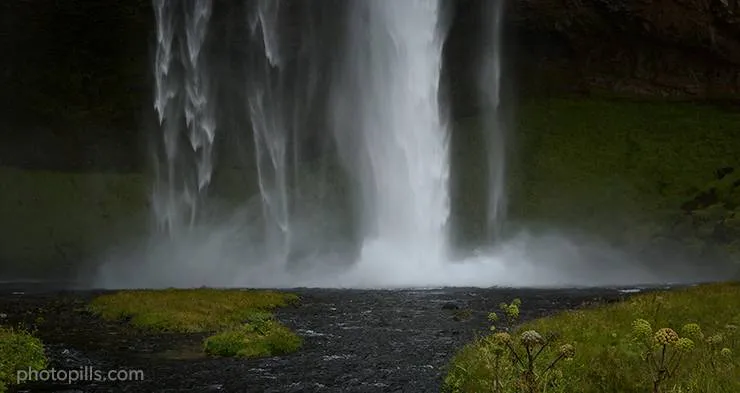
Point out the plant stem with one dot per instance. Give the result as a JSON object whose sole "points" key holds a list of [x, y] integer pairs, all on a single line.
{"points": [[662, 357], [542, 348], [496, 378], [675, 366], [516, 355], [557, 359]]}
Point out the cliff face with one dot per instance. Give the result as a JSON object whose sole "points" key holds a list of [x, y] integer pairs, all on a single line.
{"points": [[77, 75], [644, 47]]}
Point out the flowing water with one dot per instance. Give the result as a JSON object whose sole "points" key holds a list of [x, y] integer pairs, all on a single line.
{"points": [[494, 125], [182, 83], [339, 115], [387, 103], [270, 129]]}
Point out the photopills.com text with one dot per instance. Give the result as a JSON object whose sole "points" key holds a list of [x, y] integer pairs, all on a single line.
{"points": [[82, 374]]}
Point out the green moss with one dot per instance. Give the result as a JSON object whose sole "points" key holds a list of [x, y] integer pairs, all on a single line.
{"points": [[608, 357], [241, 318], [615, 168], [255, 339], [55, 218], [188, 310], [19, 350]]}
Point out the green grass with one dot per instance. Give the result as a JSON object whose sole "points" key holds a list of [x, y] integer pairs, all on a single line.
{"points": [[57, 218], [19, 350], [52, 221], [240, 319], [608, 357], [597, 160], [258, 338]]}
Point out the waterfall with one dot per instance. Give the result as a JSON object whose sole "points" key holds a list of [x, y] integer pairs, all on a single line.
{"points": [[182, 92], [282, 94], [493, 124], [374, 74], [391, 132], [270, 128]]}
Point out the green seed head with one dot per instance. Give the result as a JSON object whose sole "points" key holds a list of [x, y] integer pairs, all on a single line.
{"points": [[692, 330], [685, 344], [512, 311], [642, 328], [715, 339]]}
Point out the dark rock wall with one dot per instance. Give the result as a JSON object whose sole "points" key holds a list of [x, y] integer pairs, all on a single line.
{"points": [[75, 75], [664, 48]]}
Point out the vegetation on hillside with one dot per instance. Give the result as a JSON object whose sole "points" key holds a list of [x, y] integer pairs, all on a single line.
{"points": [[679, 341], [637, 166]]}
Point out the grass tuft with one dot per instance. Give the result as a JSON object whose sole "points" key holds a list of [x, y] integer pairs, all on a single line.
{"points": [[241, 319], [19, 350], [255, 339]]}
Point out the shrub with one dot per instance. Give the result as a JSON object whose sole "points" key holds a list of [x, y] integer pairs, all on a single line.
{"points": [[19, 350]]}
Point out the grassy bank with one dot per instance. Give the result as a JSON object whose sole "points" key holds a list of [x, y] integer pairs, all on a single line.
{"points": [[53, 221], [627, 170], [19, 351], [656, 155], [679, 341], [240, 321]]}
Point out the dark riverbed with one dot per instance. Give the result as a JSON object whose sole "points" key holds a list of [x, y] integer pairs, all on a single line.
{"points": [[355, 340]]}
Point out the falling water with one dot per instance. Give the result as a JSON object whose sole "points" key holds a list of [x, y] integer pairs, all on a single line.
{"points": [[199, 113], [390, 135], [391, 131], [182, 93], [282, 92], [494, 127], [270, 129]]}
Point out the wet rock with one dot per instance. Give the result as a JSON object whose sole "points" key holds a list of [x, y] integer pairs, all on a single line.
{"points": [[450, 306], [633, 46]]}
